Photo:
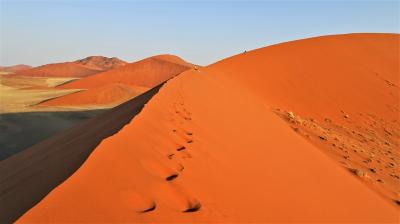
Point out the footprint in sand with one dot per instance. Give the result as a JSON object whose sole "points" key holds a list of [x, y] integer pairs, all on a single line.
{"points": [[193, 206], [178, 199], [161, 169], [137, 202], [151, 208], [171, 177], [180, 167], [181, 148], [183, 152]]}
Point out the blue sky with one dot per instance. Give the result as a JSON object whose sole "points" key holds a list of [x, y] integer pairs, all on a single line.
{"points": [[202, 32]]}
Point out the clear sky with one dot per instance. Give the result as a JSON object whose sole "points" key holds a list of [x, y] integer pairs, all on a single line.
{"points": [[202, 32]]}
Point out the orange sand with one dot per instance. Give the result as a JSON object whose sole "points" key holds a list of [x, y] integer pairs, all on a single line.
{"points": [[77, 69], [65, 69], [209, 147], [132, 79], [14, 68], [114, 93], [147, 73], [101, 63]]}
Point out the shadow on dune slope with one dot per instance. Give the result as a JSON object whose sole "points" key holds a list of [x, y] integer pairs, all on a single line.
{"points": [[22, 130], [29, 176]]}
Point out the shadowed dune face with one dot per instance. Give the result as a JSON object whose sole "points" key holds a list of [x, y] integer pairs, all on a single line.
{"points": [[22, 130], [22, 124], [212, 146], [20, 94], [30, 175], [118, 85]]}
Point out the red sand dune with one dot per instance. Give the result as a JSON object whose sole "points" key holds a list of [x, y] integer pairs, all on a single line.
{"points": [[15, 68], [209, 147], [107, 95], [80, 68], [101, 63], [147, 73], [135, 78], [65, 69], [53, 160]]}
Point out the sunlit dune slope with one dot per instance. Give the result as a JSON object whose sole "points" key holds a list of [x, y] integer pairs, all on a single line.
{"points": [[118, 85], [342, 93], [318, 77], [147, 73], [107, 95], [212, 146]]}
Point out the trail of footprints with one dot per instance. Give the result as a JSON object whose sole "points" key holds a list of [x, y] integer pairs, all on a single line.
{"points": [[180, 117]]}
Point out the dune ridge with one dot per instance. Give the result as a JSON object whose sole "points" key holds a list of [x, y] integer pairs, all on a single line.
{"points": [[53, 160], [215, 145], [147, 73]]}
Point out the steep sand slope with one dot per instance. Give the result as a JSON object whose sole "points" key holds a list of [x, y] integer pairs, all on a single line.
{"points": [[30, 175], [343, 95], [208, 147], [65, 69], [117, 85]]}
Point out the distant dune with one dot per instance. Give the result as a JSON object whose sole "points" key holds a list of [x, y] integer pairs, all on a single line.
{"points": [[118, 85], [78, 69], [101, 63], [147, 73], [102, 96], [287, 133], [65, 69], [14, 68]]}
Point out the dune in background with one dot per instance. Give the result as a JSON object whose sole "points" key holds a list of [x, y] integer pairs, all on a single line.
{"points": [[77, 69], [115, 86], [101, 62], [14, 68], [34, 108], [64, 69], [278, 134]]}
